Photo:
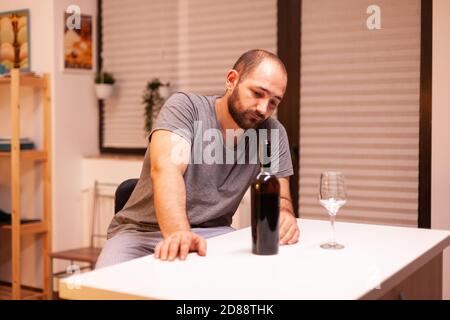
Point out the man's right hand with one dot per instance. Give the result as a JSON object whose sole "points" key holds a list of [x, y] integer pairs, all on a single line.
{"points": [[179, 244]]}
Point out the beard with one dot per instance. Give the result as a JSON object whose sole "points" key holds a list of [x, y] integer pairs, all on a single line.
{"points": [[244, 119]]}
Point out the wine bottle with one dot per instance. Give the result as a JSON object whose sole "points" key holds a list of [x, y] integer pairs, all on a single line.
{"points": [[265, 207]]}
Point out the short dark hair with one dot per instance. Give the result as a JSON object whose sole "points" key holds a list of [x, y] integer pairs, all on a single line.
{"points": [[249, 60]]}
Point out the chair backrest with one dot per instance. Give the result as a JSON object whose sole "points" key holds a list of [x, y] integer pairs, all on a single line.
{"points": [[123, 193], [103, 197]]}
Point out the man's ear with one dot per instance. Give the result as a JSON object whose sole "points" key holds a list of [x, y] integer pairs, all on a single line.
{"points": [[232, 79]]}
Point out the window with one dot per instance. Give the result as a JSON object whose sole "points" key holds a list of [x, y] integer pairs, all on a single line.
{"points": [[360, 108], [190, 44]]}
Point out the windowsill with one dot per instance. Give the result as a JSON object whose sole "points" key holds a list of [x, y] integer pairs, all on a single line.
{"points": [[119, 157]]}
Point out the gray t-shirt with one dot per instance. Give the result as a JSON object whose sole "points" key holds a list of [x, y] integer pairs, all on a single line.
{"points": [[213, 191]]}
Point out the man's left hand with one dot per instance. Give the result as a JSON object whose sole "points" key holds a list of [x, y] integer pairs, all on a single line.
{"points": [[289, 231]]}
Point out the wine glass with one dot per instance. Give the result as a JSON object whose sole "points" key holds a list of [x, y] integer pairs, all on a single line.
{"points": [[332, 196]]}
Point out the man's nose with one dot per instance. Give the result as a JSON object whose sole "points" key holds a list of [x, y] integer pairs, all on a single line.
{"points": [[262, 108]]}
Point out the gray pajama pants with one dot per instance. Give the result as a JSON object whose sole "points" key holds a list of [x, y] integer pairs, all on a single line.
{"points": [[131, 244]]}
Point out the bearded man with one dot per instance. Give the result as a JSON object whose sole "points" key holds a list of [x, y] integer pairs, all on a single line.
{"points": [[179, 200]]}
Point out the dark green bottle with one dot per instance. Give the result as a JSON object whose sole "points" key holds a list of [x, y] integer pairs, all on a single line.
{"points": [[265, 207]]}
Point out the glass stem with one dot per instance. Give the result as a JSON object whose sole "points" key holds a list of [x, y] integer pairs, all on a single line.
{"points": [[333, 239]]}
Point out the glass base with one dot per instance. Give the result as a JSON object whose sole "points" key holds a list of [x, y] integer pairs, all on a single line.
{"points": [[332, 245]]}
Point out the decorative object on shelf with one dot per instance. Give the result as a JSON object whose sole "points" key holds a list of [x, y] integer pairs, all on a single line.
{"points": [[25, 144], [155, 94], [14, 40], [104, 84], [78, 45]]}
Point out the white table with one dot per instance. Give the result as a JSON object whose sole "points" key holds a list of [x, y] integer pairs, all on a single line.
{"points": [[377, 262]]}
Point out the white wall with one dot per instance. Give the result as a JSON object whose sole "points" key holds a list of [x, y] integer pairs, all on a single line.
{"points": [[440, 172], [75, 135]]}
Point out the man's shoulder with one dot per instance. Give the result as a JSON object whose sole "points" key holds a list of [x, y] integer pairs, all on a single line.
{"points": [[190, 98]]}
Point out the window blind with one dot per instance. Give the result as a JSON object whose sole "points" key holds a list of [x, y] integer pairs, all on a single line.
{"points": [[190, 44], [359, 111]]}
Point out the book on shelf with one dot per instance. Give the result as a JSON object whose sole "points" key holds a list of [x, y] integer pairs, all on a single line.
{"points": [[25, 144], [5, 218]]}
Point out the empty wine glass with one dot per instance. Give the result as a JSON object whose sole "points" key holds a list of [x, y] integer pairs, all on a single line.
{"points": [[332, 196]]}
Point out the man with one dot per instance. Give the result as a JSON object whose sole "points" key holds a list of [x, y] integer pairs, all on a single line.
{"points": [[180, 201]]}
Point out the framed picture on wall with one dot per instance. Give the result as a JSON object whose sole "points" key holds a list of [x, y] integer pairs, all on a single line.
{"points": [[79, 45], [15, 40]]}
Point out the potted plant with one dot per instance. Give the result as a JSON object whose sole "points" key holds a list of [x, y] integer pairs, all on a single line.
{"points": [[104, 84], [154, 96]]}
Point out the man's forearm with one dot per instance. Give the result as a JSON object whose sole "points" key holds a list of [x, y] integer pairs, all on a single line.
{"points": [[170, 201], [286, 205]]}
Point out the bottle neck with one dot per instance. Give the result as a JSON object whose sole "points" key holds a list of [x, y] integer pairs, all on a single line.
{"points": [[265, 154], [265, 168]]}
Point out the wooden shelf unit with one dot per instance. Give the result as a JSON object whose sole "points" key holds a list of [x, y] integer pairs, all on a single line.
{"points": [[25, 293], [26, 81], [36, 155], [17, 81], [28, 228]]}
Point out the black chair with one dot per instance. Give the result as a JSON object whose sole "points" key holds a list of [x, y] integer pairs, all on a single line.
{"points": [[123, 193]]}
